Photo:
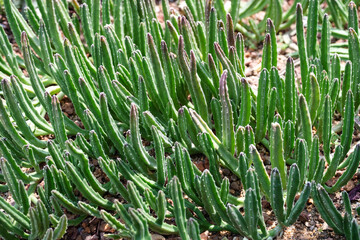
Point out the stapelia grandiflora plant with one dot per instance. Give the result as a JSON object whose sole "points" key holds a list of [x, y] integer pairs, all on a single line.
{"points": [[182, 89]]}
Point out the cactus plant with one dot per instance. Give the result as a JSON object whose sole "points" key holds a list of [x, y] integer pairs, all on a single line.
{"points": [[183, 89], [346, 224]]}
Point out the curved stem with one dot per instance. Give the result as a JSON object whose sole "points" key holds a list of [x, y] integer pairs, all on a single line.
{"points": [[274, 232]]}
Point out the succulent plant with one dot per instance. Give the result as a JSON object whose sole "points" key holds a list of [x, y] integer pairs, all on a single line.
{"points": [[345, 225], [182, 88]]}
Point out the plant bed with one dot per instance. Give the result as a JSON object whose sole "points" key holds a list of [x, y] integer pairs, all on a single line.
{"points": [[119, 120]]}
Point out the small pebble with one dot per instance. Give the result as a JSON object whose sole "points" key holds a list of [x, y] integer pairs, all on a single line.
{"points": [[233, 178], [91, 237], [104, 227], [204, 235], [349, 186], [304, 217], [235, 185], [226, 172], [157, 237]]}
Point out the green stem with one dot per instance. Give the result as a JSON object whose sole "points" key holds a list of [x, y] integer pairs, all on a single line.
{"points": [[274, 232]]}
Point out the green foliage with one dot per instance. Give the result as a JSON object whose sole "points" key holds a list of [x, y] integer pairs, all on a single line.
{"points": [[346, 224], [175, 91]]}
